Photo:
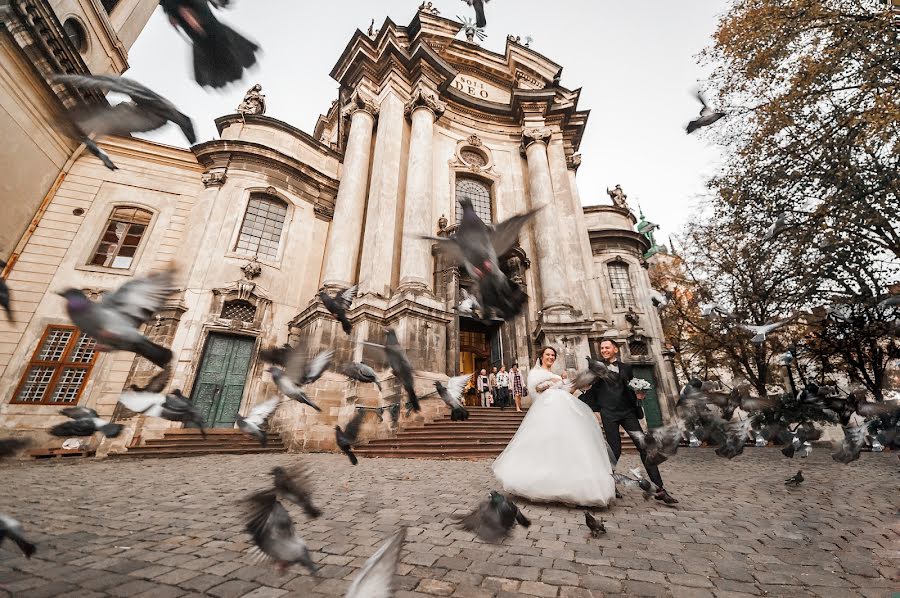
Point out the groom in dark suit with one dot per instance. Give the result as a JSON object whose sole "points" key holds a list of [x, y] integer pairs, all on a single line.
{"points": [[619, 407]]}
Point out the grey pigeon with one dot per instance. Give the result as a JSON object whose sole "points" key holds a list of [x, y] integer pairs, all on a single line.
{"points": [[776, 228], [11, 446], [4, 295], [762, 330], [290, 388], [12, 529], [115, 320], [172, 406], [220, 53], [597, 527], [451, 394], [659, 443], [376, 578], [493, 520], [849, 449], [84, 422], [399, 364], [468, 305], [338, 306], [480, 20], [277, 355], [707, 116], [253, 424], [347, 438], [293, 484], [795, 480], [736, 435], [596, 370], [273, 532], [638, 481], [359, 371]]}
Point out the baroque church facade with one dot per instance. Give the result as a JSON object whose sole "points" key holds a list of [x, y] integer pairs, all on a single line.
{"points": [[262, 218]]}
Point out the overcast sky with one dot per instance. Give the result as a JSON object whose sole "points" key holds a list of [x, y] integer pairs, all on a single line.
{"points": [[636, 62]]}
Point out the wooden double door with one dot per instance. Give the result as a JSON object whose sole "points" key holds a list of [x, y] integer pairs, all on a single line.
{"points": [[219, 388]]}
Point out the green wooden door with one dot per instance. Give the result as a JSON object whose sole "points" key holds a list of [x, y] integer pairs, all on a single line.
{"points": [[651, 402], [223, 374]]}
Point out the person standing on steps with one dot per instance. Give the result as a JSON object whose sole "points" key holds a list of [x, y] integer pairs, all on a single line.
{"points": [[517, 387], [503, 387]]}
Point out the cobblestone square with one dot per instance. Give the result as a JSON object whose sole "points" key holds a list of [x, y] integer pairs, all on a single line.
{"points": [[169, 528]]}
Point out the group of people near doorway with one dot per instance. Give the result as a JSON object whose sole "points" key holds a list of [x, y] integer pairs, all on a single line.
{"points": [[495, 389]]}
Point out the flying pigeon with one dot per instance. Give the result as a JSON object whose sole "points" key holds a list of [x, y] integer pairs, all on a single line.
{"points": [[147, 110], [638, 481], [493, 520], [115, 320], [761, 331], [707, 116], [173, 406], [659, 300], [480, 21], [338, 306], [399, 364], [468, 305], [290, 388], [794, 480], [451, 394], [659, 443], [4, 295], [849, 449], [736, 435], [596, 370], [361, 372], [277, 355], [220, 53], [376, 578], [891, 301], [347, 438], [84, 422], [597, 527], [273, 532], [293, 485], [12, 529], [253, 423], [776, 228], [11, 446]]}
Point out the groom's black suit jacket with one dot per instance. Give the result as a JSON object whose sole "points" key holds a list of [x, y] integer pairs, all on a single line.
{"points": [[614, 400]]}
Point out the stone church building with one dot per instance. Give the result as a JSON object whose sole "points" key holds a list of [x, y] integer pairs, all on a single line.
{"points": [[260, 219]]}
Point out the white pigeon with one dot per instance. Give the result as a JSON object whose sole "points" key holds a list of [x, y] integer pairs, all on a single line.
{"points": [[252, 424], [760, 332], [776, 228], [376, 578], [451, 395], [468, 304]]}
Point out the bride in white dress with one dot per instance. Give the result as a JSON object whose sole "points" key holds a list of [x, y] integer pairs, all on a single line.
{"points": [[559, 452]]}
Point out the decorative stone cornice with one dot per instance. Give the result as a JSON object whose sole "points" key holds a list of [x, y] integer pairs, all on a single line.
{"points": [[359, 101], [573, 161], [422, 97], [214, 179]]}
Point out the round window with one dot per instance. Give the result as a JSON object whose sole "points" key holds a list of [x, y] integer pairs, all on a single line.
{"points": [[76, 34], [473, 157]]}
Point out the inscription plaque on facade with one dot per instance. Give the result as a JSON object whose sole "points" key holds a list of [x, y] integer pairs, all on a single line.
{"points": [[481, 89]]}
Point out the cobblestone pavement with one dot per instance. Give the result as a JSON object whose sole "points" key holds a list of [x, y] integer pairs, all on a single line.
{"points": [[166, 528]]}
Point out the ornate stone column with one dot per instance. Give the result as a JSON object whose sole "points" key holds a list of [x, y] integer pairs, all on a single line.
{"points": [[551, 269], [345, 232], [416, 263], [382, 227]]}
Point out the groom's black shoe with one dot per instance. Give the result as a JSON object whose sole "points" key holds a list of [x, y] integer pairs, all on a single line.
{"points": [[664, 496]]}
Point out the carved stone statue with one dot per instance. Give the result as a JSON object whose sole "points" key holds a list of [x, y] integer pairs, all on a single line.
{"points": [[618, 197], [254, 101]]}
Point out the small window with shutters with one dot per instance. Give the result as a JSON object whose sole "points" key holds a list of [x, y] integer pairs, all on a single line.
{"points": [[121, 238], [59, 368]]}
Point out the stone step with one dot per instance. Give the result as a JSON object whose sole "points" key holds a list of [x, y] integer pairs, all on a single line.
{"points": [[429, 443], [434, 453], [141, 452], [184, 442]]}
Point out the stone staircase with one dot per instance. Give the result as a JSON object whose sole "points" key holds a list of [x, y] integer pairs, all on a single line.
{"points": [[188, 442], [483, 436]]}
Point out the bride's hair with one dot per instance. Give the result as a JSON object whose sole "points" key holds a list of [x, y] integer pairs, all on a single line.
{"points": [[540, 359]]}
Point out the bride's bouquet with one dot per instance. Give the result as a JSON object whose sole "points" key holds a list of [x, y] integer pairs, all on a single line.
{"points": [[639, 385]]}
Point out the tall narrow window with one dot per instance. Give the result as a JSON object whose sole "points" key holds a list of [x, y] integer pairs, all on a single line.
{"points": [[479, 194], [121, 238], [620, 283], [58, 369], [262, 227]]}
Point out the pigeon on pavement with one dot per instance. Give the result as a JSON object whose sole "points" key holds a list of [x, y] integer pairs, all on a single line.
{"points": [[794, 480], [220, 53], [597, 527], [115, 320], [376, 578], [493, 520]]}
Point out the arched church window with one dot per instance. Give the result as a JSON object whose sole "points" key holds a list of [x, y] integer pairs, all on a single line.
{"points": [[119, 244], [480, 195], [620, 284], [262, 227]]}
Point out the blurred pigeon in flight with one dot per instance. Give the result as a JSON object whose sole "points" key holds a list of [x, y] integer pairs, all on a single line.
{"points": [[776, 228], [252, 424], [480, 20], [220, 53], [360, 372], [849, 449], [293, 484], [4, 295], [172, 406], [468, 305], [338, 306], [347, 438], [12, 529], [115, 320], [273, 532], [11, 446], [659, 300], [277, 355], [493, 520], [298, 372], [451, 394], [84, 422], [660, 443], [376, 578], [707, 116], [399, 364], [761, 331]]}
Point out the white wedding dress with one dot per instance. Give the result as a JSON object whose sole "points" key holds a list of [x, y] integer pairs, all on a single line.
{"points": [[558, 453]]}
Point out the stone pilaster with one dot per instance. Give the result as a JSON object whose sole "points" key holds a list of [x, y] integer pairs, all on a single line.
{"points": [[551, 269], [382, 230], [416, 263], [345, 232]]}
